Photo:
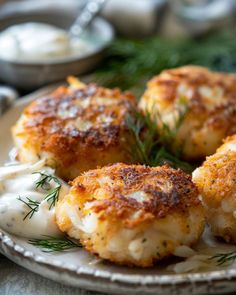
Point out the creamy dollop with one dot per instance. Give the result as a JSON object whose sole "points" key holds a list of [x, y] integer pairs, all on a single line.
{"points": [[19, 181], [39, 41]]}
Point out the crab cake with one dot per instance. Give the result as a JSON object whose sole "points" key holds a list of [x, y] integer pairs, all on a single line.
{"points": [[76, 128], [132, 214], [204, 102], [216, 181]]}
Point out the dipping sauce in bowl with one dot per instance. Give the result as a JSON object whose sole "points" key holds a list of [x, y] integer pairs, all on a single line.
{"points": [[36, 54], [40, 41]]}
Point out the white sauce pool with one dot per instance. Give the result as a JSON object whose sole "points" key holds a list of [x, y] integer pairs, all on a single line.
{"points": [[39, 41], [19, 181]]}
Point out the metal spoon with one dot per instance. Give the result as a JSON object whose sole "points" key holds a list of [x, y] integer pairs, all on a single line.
{"points": [[91, 9]]}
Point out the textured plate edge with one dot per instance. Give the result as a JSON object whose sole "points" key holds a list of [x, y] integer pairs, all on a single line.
{"points": [[154, 282], [122, 280]]}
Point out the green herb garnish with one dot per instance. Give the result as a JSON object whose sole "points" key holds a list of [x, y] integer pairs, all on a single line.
{"points": [[165, 157], [167, 134], [143, 138], [32, 205], [224, 258], [149, 142], [53, 195], [130, 63], [44, 179], [52, 244]]}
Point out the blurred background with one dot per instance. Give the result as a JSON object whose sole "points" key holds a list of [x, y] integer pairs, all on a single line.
{"points": [[140, 39]]}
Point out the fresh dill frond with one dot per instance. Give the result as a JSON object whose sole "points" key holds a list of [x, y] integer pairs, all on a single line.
{"points": [[45, 178], [165, 157], [51, 197], [143, 138], [32, 205], [224, 258], [167, 131], [129, 64], [53, 194], [53, 244], [148, 145]]}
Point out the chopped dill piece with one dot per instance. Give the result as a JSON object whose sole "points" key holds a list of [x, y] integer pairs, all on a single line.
{"points": [[52, 244], [32, 205], [224, 258], [53, 194]]}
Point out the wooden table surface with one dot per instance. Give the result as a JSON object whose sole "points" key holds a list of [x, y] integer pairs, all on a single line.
{"points": [[15, 280]]}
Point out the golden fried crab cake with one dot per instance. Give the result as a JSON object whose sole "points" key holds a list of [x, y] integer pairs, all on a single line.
{"points": [[77, 128], [216, 181], [205, 100], [132, 214]]}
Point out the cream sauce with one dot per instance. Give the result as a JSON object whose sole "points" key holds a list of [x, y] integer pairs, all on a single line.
{"points": [[19, 181], [39, 41]]}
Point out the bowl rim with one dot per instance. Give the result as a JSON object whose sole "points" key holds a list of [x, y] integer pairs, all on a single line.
{"points": [[101, 21]]}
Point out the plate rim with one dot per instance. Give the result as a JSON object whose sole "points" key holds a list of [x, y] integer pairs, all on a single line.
{"points": [[152, 281], [134, 279]]}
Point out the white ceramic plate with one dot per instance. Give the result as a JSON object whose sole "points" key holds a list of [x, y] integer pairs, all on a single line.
{"points": [[77, 267]]}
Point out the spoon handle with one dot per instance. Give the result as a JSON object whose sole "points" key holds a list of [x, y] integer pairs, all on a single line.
{"points": [[91, 9]]}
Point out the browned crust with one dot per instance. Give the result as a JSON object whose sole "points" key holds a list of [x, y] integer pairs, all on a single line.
{"points": [[45, 130], [43, 116], [217, 180], [170, 190], [222, 114], [231, 138]]}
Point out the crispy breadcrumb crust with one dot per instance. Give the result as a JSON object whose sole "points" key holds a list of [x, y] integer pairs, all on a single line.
{"points": [[170, 191], [216, 181], [211, 107], [170, 215], [79, 126], [219, 172]]}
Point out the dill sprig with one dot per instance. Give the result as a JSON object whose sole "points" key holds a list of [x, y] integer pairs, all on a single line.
{"points": [[165, 157], [52, 244], [167, 133], [51, 197], [224, 258], [53, 194], [149, 141], [32, 205], [130, 63], [143, 138]]}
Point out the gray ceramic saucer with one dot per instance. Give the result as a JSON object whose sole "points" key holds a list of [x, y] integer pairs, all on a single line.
{"points": [[32, 75]]}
